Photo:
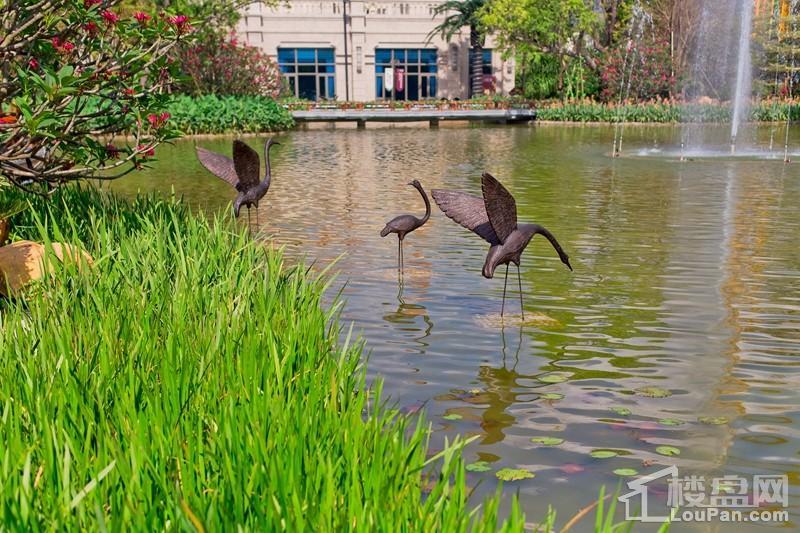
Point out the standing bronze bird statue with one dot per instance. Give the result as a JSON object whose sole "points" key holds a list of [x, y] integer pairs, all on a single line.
{"points": [[494, 218], [405, 224], [242, 172]]}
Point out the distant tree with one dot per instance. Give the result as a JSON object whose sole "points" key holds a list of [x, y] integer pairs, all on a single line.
{"points": [[778, 39], [462, 14], [559, 28]]}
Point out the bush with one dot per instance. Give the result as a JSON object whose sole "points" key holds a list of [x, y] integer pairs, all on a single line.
{"points": [[640, 72], [59, 57], [228, 114], [224, 67], [662, 111], [192, 380]]}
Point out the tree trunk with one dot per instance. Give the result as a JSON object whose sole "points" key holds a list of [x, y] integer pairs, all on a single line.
{"points": [[476, 63]]}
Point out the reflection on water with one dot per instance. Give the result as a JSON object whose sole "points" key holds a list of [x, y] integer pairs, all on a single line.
{"points": [[680, 325]]}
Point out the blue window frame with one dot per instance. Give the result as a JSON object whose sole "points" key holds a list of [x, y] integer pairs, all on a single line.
{"points": [[311, 72], [419, 72]]}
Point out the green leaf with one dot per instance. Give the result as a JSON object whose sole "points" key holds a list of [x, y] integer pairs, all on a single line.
{"points": [[552, 396], [622, 411], [453, 416], [603, 454], [547, 441], [513, 474], [671, 422], [669, 451], [555, 377], [713, 420], [479, 466], [627, 472], [653, 392]]}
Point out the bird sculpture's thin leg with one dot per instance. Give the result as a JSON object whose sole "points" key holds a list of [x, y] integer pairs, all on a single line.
{"points": [[402, 259], [521, 309], [505, 284], [399, 254], [248, 217]]}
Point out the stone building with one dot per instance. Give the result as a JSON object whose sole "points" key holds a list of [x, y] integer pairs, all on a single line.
{"points": [[363, 51]]}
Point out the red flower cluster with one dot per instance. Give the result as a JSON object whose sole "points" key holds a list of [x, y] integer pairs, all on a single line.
{"points": [[88, 4], [156, 121], [64, 47], [110, 17], [181, 23], [32, 63], [141, 17]]}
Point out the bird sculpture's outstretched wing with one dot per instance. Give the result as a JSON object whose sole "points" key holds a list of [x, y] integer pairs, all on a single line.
{"points": [[219, 165], [247, 165], [467, 210], [500, 207]]}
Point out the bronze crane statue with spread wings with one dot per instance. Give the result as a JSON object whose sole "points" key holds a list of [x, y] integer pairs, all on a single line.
{"points": [[404, 224], [242, 172], [494, 218]]}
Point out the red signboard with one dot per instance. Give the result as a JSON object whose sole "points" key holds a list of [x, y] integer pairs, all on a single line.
{"points": [[399, 79]]}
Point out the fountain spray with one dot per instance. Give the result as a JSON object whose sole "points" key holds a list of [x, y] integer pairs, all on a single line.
{"points": [[791, 86], [741, 96]]}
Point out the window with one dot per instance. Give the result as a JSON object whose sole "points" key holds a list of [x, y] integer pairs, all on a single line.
{"points": [[415, 74], [309, 71]]}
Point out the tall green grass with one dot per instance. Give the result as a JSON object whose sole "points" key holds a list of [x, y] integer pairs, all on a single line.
{"points": [[193, 380]]}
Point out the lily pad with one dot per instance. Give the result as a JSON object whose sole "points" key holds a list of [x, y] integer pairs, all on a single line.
{"points": [[547, 441], [552, 396], [625, 472], [653, 392], [479, 466], [555, 377], [453, 416], [621, 411], [713, 420], [603, 454], [669, 451], [671, 422], [513, 474]]}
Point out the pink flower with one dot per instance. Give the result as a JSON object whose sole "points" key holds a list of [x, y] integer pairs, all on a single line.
{"points": [[181, 23], [145, 150], [141, 18], [110, 17], [32, 63], [129, 92], [156, 121], [90, 28], [88, 4], [65, 47], [112, 152]]}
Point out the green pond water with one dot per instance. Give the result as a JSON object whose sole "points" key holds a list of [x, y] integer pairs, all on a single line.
{"points": [[680, 325]]}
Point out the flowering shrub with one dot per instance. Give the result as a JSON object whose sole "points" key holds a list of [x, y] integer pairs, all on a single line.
{"points": [[636, 70], [222, 66], [77, 71]]}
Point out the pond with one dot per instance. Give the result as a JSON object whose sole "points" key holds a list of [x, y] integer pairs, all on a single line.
{"points": [[679, 327]]}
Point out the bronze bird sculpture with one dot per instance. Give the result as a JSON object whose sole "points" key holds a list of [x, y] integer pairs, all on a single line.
{"points": [[405, 224], [242, 172], [494, 218]]}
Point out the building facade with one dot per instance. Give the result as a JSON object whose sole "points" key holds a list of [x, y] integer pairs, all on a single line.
{"points": [[362, 51]]}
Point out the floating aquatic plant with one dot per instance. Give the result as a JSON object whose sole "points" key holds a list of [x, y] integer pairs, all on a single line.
{"points": [[547, 441], [653, 392], [669, 451], [478, 466], [514, 474], [603, 454]]}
